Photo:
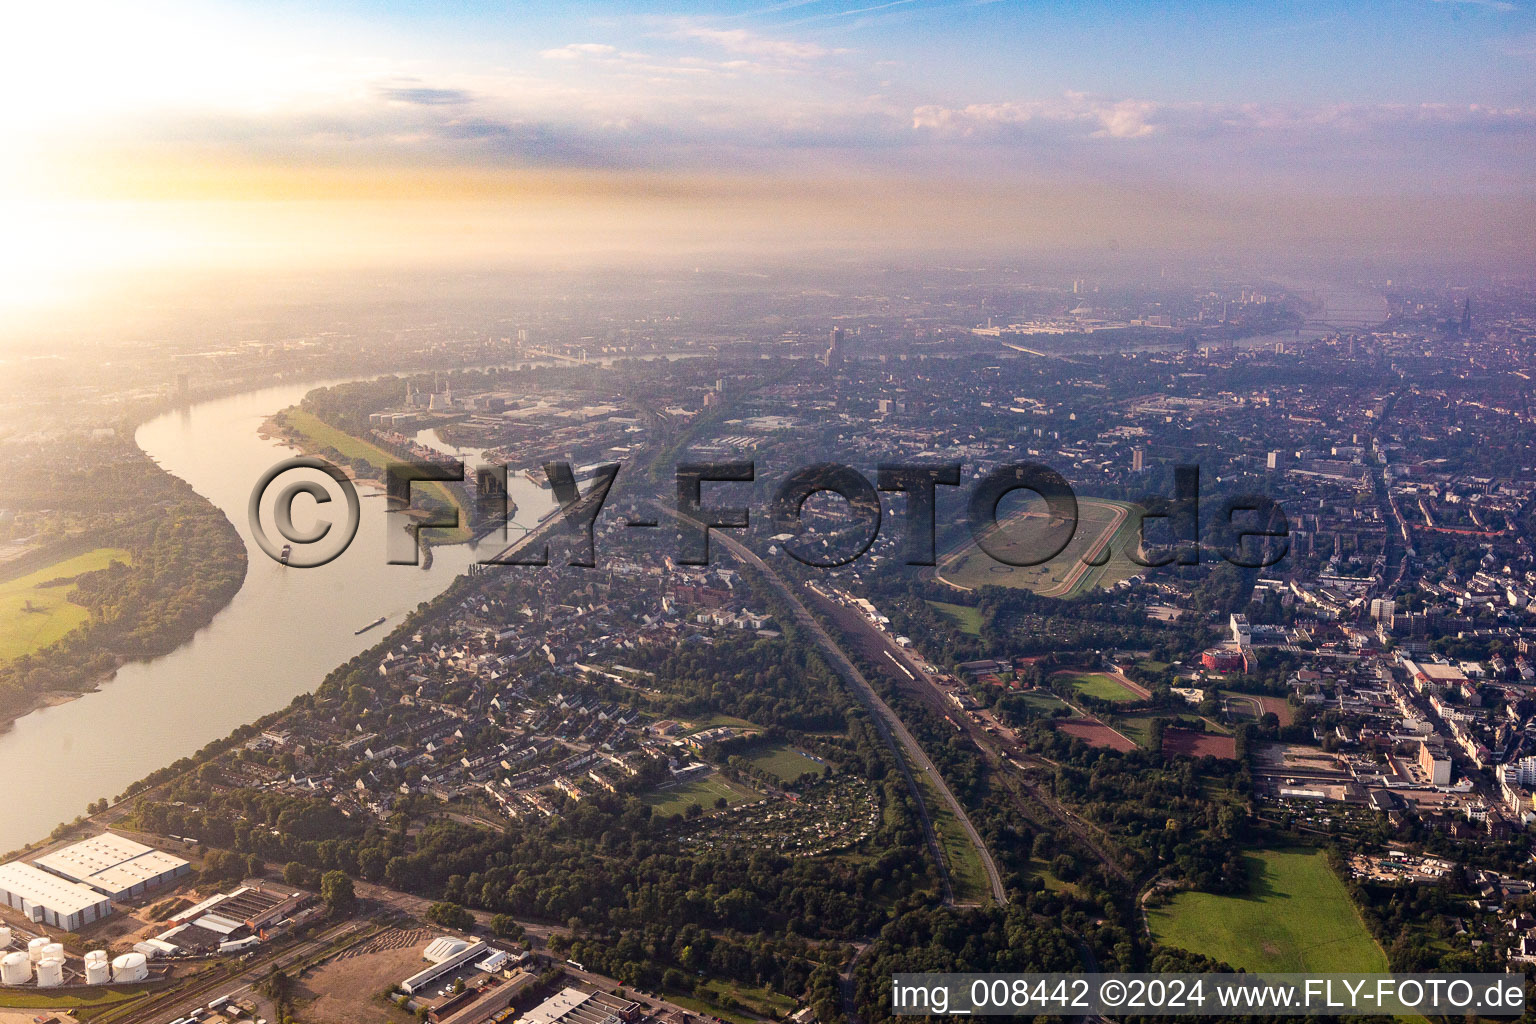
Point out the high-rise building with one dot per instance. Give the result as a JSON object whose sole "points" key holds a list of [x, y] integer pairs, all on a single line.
{"points": [[1274, 460], [1138, 456], [1466, 316], [834, 355]]}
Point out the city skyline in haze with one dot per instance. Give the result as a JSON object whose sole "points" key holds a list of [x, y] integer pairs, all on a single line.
{"points": [[343, 136]]}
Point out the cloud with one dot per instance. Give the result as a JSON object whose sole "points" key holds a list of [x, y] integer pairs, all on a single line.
{"points": [[1081, 115], [1116, 119], [579, 51], [424, 96], [739, 40], [874, 7]]}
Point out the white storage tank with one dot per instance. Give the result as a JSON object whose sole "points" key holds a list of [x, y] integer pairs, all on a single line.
{"points": [[5, 939], [50, 973], [53, 951], [130, 967], [15, 969], [98, 969], [36, 946]]}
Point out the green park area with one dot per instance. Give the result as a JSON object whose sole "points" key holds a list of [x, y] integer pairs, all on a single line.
{"points": [[704, 791], [1296, 916], [967, 874], [965, 618], [1139, 726], [36, 610], [782, 761]]}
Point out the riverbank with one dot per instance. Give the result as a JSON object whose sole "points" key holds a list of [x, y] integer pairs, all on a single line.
{"points": [[310, 435], [280, 635], [145, 586]]}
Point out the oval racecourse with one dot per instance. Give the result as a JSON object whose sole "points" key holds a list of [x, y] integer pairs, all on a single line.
{"points": [[1106, 533]]}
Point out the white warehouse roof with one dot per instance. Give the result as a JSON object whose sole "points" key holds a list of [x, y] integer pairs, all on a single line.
{"points": [[442, 948], [113, 864], [40, 888]]}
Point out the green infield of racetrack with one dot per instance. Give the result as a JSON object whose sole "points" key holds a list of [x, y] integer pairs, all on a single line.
{"points": [[972, 568]]}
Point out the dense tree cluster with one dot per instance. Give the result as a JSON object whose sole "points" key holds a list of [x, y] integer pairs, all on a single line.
{"points": [[187, 562], [765, 681], [1007, 939]]}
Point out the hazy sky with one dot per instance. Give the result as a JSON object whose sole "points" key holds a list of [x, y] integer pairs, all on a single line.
{"points": [[154, 133]]}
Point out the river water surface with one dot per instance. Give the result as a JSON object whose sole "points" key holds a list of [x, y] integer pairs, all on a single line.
{"points": [[278, 638]]}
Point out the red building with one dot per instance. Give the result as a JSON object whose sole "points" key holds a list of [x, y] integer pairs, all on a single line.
{"points": [[1223, 659]]}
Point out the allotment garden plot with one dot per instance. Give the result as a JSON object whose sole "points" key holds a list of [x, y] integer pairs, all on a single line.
{"points": [[829, 816]]}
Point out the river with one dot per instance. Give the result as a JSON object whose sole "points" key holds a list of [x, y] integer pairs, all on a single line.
{"points": [[279, 637]]}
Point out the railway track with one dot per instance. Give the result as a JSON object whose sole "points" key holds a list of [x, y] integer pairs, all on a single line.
{"points": [[910, 757], [163, 1007]]}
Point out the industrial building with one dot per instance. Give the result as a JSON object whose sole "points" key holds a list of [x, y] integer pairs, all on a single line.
{"points": [[484, 1005], [50, 900], [573, 1006], [450, 962], [120, 868]]}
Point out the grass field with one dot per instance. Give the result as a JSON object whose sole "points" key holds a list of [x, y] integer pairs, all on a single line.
{"points": [[762, 1001], [320, 434], [1042, 701], [1139, 726], [702, 791], [1296, 916], [35, 609], [710, 1009], [1063, 576], [1042, 870], [714, 720], [1248, 707], [1097, 684], [967, 874], [968, 619], [33, 999], [782, 761]]}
